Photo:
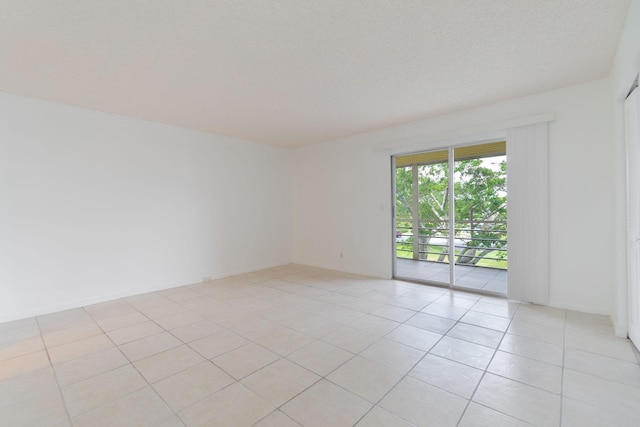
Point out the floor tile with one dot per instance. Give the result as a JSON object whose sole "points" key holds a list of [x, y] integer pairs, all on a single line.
{"points": [[444, 310], [476, 334], [374, 325], [17, 324], [110, 310], [79, 348], [548, 334], [42, 410], [234, 406], [602, 366], [545, 316], [506, 309], [191, 385], [617, 348], [118, 322], [23, 364], [71, 334], [320, 357], [277, 419], [316, 326], [533, 349], [143, 301], [96, 391], [414, 337], [20, 348], [134, 332], [278, 382], [90, 365], [589, 324], [448, 375], [197, 330], [340, 315], [257, 328], [580, 414], [530, 404], [325, 404], [174, 321], [378, 417], [465, 352], [245, 360], [149, 346], [431, 323], [481, 416], [605, 394], [285, 342], [286, 316], [166, 363], [179, 294], [63, 320], [365, 378], [351, 339], [394, 313], [140, 408], [528, 371], [423, 404], [163, 310], [458, 299], [484, 320], [27, 386], [171, 421], [412, 304], [398, 357]]}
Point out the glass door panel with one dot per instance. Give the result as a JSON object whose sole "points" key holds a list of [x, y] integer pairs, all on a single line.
{"points": [[480, 205], [422, 217]]}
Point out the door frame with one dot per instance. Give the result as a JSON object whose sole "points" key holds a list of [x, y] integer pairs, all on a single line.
{"points": [[451, 180], [632, 146]]}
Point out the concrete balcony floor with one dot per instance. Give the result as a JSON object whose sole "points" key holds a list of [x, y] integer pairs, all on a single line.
{"points": [[479, 278]]}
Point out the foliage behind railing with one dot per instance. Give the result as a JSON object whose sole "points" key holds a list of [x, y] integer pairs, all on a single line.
{"points": [[477, 243]]}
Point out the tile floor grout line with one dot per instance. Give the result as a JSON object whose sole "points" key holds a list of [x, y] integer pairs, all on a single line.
{"points": [[484, 373], [131, 364], [325, 377], [289, 301], [55, 375], [564, 362], [376, 404], [464, 411]]}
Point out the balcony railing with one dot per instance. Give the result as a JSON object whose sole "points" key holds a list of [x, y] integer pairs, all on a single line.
{"points": [[476, 243]]}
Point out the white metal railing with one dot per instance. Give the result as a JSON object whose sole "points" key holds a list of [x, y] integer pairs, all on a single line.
{"points": [[476, 243]]}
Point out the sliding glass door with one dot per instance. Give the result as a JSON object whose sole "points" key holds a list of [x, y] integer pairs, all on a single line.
{"points": [[422, 216], [450, 217]]}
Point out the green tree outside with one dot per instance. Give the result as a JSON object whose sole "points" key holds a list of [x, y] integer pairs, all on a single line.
{"points": [[480, 196]]}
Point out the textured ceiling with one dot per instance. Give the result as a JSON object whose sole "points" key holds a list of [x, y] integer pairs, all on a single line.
{"points": [[290, 72]]}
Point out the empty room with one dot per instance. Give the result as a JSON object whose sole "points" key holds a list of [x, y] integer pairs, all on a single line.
{"points": [[333, 213]]}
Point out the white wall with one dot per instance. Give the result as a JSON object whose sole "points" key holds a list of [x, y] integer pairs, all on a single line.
{"points": [[342, 194], [625, 68], [95, 206]]}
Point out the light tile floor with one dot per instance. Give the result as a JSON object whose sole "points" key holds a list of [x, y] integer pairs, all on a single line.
{"points": [[296, 345]]}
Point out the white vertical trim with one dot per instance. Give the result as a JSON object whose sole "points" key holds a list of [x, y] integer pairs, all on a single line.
{"points": [[452, 219], [415, 211], [394, 196], [632, 142], [528, 213]]}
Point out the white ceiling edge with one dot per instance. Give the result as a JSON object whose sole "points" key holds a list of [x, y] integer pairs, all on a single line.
{"points": [[479, 133]]}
